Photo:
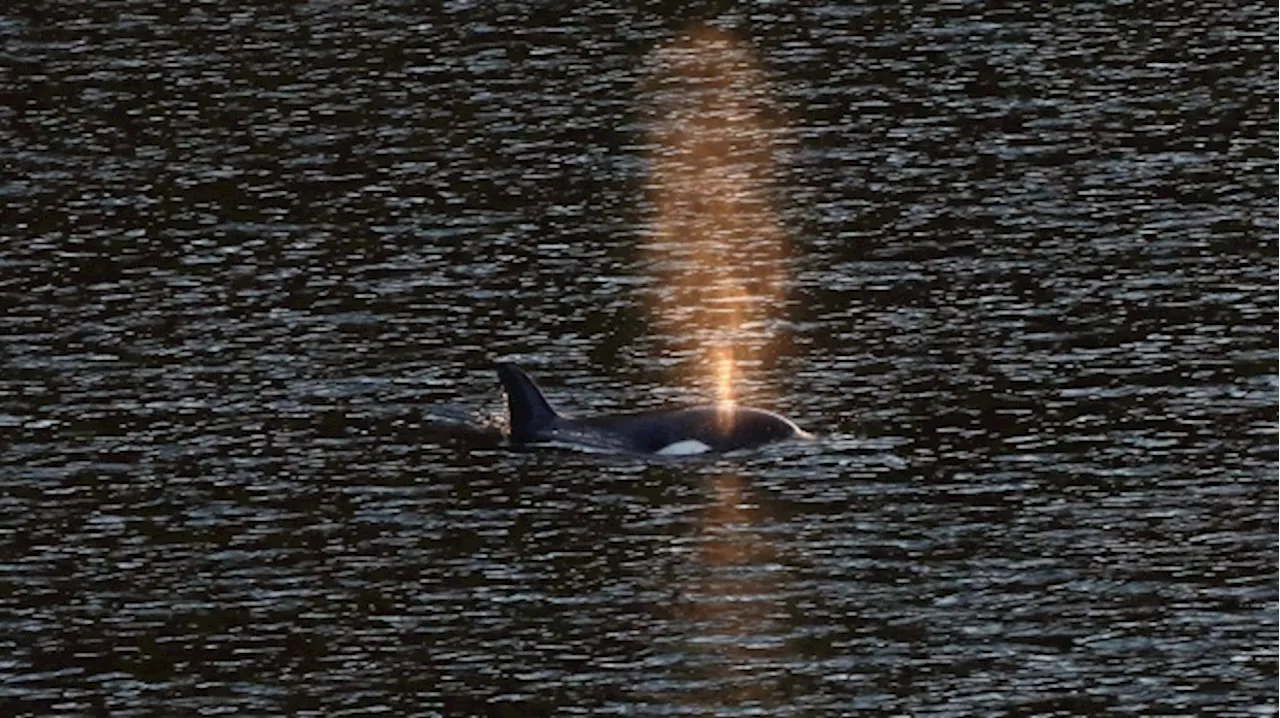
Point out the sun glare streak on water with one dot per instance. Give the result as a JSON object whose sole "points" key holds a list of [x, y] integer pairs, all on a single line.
{"points": [[715, 242], [719, 254], [724, 368], [729, 599]]}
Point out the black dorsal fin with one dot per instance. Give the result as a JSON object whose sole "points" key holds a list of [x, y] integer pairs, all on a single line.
{"points": [[527, 408]]}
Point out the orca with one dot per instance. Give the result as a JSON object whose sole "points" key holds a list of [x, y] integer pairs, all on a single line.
{"points": [[713, 428]]}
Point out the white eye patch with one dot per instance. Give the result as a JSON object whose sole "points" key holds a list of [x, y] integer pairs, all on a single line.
{"points": [[688, 447]]}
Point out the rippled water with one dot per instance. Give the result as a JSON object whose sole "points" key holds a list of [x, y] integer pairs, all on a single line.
{"points": [[1030, 305]]}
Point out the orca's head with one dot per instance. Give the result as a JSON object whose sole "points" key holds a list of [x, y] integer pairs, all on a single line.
{"points": [[725, 428], [741, 427]]}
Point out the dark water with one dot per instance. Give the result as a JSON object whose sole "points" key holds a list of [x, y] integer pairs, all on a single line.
{"points": [[1031, 307]]}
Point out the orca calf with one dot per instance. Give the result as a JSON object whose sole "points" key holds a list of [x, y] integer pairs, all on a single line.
{"points": [[711, 428]]}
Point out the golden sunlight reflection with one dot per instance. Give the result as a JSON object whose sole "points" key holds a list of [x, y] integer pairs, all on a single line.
{"points": [[715, 242], [718, 253], [724, 375], [740, 634], [724, 367]]}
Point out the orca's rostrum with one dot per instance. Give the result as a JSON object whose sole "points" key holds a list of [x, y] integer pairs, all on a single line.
{"points": [[711, 428]]}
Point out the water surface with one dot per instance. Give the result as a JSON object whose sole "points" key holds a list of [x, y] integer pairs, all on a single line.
{"points": [[1029, 302]]}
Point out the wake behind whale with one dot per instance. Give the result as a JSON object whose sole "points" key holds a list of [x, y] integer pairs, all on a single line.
{"points": [[713, 428]]}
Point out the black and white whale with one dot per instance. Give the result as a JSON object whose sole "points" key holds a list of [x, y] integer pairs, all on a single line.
{"points": [[711, 428]]}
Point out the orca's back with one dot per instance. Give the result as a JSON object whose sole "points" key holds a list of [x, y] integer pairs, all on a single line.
{"points": [[714, 427]]}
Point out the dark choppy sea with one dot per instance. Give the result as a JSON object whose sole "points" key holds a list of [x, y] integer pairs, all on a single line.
{"points": [[1016, 264]]}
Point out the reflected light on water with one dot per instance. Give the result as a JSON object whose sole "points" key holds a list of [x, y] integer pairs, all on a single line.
{"points": [[740, 632], [718, 252], [715, 242], [724, 367]]}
